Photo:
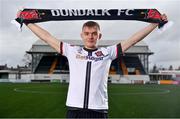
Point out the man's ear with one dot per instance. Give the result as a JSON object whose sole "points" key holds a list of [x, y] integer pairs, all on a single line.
{"points": [[100, 35], [81, 35]]}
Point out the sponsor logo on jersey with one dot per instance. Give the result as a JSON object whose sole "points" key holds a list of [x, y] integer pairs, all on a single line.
{"points": [[82, 57]]}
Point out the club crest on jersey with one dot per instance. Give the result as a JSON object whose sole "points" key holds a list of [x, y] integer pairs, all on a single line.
{"points": [[99, 53]]}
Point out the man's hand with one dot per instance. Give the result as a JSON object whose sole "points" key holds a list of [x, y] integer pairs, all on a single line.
{"points": [[164, 17]]}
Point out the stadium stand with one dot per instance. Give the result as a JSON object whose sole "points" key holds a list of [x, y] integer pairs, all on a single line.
{"points": [[46, 60], [134, 63]]}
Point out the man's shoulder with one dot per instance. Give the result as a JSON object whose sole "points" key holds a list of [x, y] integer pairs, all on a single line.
{"points": [[70, 45], [107, 47]]}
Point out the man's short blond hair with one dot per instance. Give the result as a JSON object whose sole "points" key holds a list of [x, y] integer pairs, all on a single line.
{"points": [[91, 24]]}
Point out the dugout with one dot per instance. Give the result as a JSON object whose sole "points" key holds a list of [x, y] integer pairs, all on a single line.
{"points": [[45, 60]]}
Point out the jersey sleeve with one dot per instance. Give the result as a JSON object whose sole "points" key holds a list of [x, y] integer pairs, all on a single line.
{"points": [[64, 48], [115, 51]]}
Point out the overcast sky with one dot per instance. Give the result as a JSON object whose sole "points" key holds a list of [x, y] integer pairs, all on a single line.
{"points": [[166, 46]]}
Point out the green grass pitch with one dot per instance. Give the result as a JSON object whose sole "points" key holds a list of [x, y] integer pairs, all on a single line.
{"points": [[47, 100]]}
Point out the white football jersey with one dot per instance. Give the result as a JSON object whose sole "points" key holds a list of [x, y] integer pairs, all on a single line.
{"points": [[89, 71]]}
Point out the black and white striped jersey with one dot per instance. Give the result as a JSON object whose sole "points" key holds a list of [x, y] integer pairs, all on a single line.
{"points": [[88, 75]]}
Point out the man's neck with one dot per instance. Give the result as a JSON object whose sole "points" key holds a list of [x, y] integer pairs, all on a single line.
{"points": [[90, 49]]}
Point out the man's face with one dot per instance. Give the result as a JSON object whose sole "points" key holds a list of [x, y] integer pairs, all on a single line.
{"points": [[90, 35]]}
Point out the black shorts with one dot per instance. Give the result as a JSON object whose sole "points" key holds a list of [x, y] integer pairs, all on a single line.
{"points": [[86, 114]]}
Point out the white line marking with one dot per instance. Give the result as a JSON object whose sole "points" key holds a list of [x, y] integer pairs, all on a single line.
{"points": [[34, 91], [156, 91]]}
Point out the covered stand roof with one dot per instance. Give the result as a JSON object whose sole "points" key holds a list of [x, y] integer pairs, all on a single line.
{"points": [[41, 47]]}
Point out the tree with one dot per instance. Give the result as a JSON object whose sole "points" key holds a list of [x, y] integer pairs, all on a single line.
{"points": [[170, 67], [27, 60], [155, 69]]}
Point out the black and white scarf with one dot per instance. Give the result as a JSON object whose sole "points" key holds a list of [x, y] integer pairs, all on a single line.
{"points": [[42, 15]]}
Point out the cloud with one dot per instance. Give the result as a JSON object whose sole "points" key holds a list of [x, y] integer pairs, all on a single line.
{"points": [[13, 43]]}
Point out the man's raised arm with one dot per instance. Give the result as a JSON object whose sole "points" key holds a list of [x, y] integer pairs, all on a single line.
{"points": [[45, 36], [140, 35]]}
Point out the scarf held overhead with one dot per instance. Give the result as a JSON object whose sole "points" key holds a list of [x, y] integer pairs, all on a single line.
{"points": [[41, 15]]}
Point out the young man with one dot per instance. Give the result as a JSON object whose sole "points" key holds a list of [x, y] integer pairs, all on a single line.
{"points": [[89, 66]]}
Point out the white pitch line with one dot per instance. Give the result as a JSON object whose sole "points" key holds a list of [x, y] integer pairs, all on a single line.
{"points": [[34, 91], [156, 91], [142, 93]]}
